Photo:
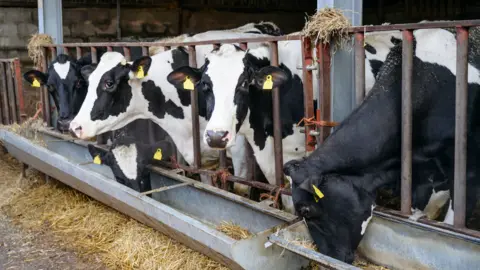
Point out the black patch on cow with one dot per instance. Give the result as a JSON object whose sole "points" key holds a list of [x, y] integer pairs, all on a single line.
{"points": [[395, 41], [259, 102], [268, 29], [376, 65], [114, 100], [157, 104], [369, 48]]}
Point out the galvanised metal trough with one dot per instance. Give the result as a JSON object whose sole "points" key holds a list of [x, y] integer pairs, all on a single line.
{"points": [[189, 211]]}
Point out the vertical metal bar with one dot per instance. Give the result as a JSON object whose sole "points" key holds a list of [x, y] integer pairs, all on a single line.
{"points": [[53, 53], [2, 121], [3, 94], [93, 53], [119, 29], [325, 89], [243, 45], [145, 51], [109, 48], [47, 104], [66, 50], [359, 68], [79, 52], [126, 53], [277, 121], [19, 91], [44, 92], [197, 163], [461, 97], [307, 60], [406, 175], [11, 92]]}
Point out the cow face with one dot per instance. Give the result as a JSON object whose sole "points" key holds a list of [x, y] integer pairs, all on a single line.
{"points": [[228, 79], [110, 101], [65, 85], [336, 208]]}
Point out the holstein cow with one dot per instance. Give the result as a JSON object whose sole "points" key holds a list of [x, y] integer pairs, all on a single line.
{"points": [[128, 158], [334, 188], [65, 85], [121, 92], [233, 82]]}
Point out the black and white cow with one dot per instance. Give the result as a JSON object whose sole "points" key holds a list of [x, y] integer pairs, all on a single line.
{"points": [[128, 158], [232, 80], [121, 92], [65, 85], [334, 188]]}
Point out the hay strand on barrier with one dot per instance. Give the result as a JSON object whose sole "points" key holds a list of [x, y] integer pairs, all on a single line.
{"points": [[233, 230], [328, 26], [35, 49]]}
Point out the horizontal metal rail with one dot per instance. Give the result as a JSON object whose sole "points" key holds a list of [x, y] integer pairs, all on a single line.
{"points": [[413, 26]]}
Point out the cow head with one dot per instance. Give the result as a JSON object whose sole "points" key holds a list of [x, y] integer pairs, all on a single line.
{"points": [[110, 101], [65, 85], [336, 208], [229, 79]]}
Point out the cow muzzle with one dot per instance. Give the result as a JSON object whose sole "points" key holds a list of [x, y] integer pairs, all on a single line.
{"points": [[63, 124], [217, 139], [75, 130]]}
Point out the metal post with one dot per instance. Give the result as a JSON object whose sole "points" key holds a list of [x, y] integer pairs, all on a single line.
{"points": [[145, 51], [359, 68], [197, 161], [45, 95], [277, 121], [79, 52], [325, 96], [126, 53], [461, 97], [19, 92], [406, 175], [50, 20], [307, 60]]}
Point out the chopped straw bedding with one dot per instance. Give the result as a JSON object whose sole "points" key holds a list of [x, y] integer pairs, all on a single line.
{"points": [[89, 227]]}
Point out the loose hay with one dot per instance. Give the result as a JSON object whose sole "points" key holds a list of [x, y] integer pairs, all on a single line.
{"points": [[233, 230], [328, 26], [28, 129], [35, 49], [91, 228]]}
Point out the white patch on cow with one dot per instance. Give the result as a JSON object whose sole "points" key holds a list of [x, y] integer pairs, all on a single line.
{"points": [[439, 46], [62, 69], [365, 223], [126, 157], [435, 203], [450, 214]]}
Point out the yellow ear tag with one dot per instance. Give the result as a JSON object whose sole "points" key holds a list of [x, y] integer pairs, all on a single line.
{"points": [[188, 84], [140, 73], [318, 194], [268, 84], [97, 160], [158, 154], [35, 83]]}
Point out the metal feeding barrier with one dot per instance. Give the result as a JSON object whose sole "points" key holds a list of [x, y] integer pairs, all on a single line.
{"points": [[317, 126], [11, 92]]}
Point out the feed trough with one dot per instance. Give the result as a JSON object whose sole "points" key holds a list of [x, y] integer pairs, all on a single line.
{"points": [[189, 212]]}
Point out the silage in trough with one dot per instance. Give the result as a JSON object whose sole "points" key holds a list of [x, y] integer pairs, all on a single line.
{"points": [[90, 228]]}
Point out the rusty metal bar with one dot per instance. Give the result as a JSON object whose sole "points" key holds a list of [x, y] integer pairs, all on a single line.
{"points": [[197, 163], [145, 51], [126, 53], [406, 175], [66, 50], [53, 53], [325, 89], [79, 52], [307, 60], [19, 91], [11, 92], [415, 26], [277, 122], [461, 96], [177, 44], [44, 96], [109, 49], [3, 94], [93, 53], [359, 68]]}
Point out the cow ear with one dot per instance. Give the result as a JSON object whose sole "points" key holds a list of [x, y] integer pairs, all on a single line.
{"points": [[312, 186], [97, 154], [184, 77], [141, 66], [87, 70], [35, 78], [270, 77]]}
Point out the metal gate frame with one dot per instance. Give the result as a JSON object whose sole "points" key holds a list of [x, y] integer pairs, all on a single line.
{"points": [[320, 129], [12, 108]]}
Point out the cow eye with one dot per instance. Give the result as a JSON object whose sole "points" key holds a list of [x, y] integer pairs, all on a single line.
{"points": [[108, 84]]}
